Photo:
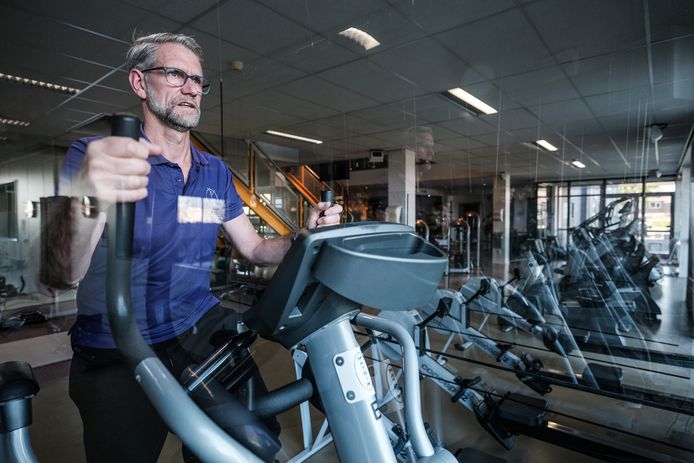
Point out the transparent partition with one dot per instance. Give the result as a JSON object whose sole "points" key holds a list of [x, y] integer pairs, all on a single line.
{"points": [[544, 146], [232, 150], [273, 188]]}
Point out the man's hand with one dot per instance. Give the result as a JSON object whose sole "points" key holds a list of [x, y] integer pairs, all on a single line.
{"points": [[115, 169], [331, 215]]}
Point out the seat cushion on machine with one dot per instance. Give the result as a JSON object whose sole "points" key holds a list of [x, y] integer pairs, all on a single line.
{"points": [[523, 409], [608, 377], [17, 381]]}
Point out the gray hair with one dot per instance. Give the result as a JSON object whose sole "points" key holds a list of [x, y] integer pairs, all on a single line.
{"points": [[143, 52]]}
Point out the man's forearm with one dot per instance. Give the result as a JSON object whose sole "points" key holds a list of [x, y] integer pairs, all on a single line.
{"points": [[69, 240], [271, 252]]}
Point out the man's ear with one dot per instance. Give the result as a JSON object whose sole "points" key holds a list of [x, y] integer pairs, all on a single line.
{"points": [[137, 83]]}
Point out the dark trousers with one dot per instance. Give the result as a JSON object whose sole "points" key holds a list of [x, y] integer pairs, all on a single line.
{"points": [[120, 424]]}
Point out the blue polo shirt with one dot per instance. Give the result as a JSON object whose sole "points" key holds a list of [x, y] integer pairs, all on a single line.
{"points": [[172, 258]]}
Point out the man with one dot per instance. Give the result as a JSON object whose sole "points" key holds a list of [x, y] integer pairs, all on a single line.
{"points": [[176, 313]]}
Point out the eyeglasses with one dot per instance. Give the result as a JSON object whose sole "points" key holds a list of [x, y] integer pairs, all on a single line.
{"points": [[177, 78]]}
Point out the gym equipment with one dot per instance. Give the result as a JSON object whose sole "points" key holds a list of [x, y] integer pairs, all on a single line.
{"points": [[485, 405], [458, 247], [502, 415], [599, 247], [475, 221], [308, 301], [624, 258], [594, 328], [199, 432], [486, 296], [422, 229], [17, 388]]}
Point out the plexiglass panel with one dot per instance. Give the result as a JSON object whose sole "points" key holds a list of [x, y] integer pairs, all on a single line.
{"points": [[541, 149]]}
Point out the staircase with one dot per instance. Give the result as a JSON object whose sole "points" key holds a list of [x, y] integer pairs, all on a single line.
{"points": [[280, 199]]}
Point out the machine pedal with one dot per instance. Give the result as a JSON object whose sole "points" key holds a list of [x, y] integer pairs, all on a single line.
{"points": [[523, 409]]}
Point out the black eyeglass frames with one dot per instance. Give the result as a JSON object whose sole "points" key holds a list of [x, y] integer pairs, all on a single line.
{"points": [[177, 78]]}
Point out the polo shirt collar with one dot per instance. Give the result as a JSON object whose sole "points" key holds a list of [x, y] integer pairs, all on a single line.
{"points": [[198, 158]]}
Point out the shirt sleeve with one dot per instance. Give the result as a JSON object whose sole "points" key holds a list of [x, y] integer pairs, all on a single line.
{"points": [[232, 201], [71, 166]]}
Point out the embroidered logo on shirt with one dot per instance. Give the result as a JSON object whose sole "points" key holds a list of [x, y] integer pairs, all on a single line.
{"points": [[193, 209]]}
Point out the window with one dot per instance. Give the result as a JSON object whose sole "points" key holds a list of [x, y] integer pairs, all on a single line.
{"points": [[624, 188]]}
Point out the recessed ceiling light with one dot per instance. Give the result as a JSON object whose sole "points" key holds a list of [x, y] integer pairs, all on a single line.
{"points": [[470, 101], [544, 144], [362, 38], [293, 137], [578, 164], [15, 122], [39, 84]]}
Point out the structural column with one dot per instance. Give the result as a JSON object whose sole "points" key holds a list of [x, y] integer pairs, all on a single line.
{"points": [[501, 226], [681, 218], [686, 240], [402, 184]]}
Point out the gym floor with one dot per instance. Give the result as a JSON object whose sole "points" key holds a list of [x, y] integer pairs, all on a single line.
{"points": [[56, 431]]}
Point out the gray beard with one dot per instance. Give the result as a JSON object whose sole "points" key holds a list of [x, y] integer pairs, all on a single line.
{"points": [[168, 114]]}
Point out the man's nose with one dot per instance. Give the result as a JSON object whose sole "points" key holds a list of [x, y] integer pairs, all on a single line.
{"points": [[190, 87]]}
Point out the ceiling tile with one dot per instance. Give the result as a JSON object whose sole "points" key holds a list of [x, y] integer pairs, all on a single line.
{"points": [[319, 55], [321, 16], [387, 26], [371, 80], [324, 93], [427, 64], [444, 14], [245, 15], [257, 76], [537, 87], [351, 124], [510, 45], [181, 11], [605, 26], [610, 73]]}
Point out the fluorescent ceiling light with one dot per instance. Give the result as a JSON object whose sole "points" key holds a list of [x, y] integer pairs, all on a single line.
{"points": [[13, 122], [476, 103], [544, 144], [38, 84], [362, 38], [577, 163], [293, 137]]}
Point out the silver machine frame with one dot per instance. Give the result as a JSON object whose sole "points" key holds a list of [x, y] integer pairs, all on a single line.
{"points": [[375, 441]]}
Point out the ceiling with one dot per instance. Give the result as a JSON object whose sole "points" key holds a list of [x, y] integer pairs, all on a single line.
{"points": [[589, 76]]}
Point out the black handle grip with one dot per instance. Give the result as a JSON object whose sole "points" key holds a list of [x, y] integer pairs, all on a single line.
{"points": [[125, 125], [326, 196], [120, 244]]}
